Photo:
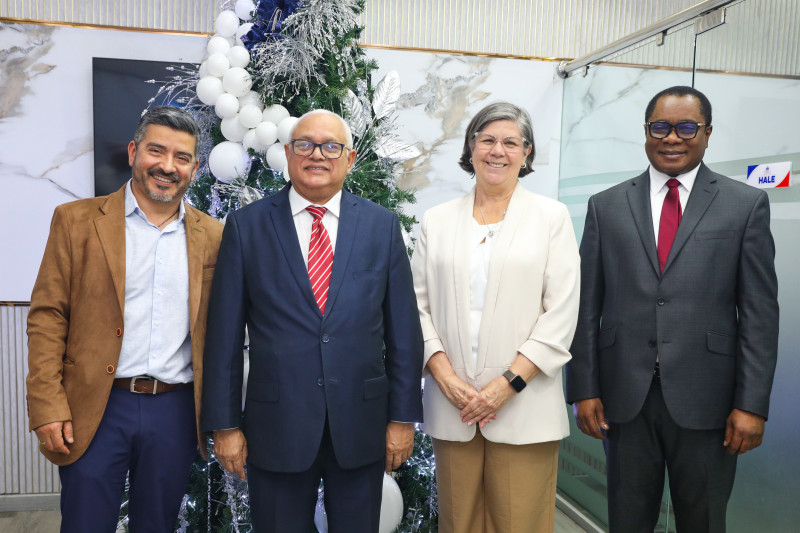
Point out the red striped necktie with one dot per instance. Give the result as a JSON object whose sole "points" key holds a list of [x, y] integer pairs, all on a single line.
{"points": [[320, 257], [670, 219]]}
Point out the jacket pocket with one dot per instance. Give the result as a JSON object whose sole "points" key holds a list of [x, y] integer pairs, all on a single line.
{"points": [[367, 274], [606, 338], [721, 343], [262, 391], [376, 387]]}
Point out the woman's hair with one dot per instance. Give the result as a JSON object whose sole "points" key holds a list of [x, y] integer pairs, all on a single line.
{"points": [[490, 113]]}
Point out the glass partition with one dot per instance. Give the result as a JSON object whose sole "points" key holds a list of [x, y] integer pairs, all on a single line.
{"points": [[755, 122]]}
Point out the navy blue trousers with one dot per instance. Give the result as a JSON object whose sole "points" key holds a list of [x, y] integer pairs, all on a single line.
{"points": [[152, 437], [285, 502]]}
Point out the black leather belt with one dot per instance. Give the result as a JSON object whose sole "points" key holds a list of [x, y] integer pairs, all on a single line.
{"points": [[148, 385]]}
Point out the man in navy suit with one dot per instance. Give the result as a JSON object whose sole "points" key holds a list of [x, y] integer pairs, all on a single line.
{"points": [[324, 400], [677, 336]]}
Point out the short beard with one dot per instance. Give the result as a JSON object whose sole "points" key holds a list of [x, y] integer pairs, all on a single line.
{"points": [[164, 198]]}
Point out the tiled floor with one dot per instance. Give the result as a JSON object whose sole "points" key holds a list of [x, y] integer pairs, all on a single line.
{"points": [[49, 521]]}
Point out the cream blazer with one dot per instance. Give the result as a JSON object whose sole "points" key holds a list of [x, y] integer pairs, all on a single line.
{"points": [[531, 307]]}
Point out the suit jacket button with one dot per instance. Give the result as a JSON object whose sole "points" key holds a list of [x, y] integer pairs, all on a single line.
{"points": [[119, 332], [325, 338], [110, 369], [651, 343], [660, 301], [320, 382]]}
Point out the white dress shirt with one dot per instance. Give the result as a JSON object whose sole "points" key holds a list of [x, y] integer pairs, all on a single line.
{"points": [[303, 219], [156, 341], [658, 191], [481, 246]]}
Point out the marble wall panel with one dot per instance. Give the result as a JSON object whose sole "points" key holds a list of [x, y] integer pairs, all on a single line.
{"points": [[46, 153], [441, 93], [46, 123]]}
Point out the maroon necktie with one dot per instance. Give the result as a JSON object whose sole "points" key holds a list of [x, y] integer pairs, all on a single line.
{"points": [[320, 257], [670, 219]]}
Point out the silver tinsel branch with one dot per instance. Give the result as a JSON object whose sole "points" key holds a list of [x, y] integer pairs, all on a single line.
{"points": [[289, 65], [285, 67], [320, 22]]}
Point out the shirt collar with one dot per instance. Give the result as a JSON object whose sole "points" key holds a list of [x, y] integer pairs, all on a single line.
{"points": [[298, 203], [132, 205], [658, 180]]}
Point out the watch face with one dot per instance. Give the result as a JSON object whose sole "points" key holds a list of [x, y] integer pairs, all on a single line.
{"points": [[517, 383]]}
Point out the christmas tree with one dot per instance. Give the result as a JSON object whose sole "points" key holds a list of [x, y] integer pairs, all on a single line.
{"points": [[267, 64]]}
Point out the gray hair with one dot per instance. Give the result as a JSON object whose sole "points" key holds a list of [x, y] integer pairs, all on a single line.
{"points": [[348, 133], [169, 116], [491, 113]]}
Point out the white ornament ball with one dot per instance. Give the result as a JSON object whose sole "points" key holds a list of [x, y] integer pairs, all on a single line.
{"points": [[267, 133], [228, 160], [218, 45], [250, 116], [285, 129], [232, 129], [244, 28], [227, 23], [209, 88], [391, 505], [286, 173], [202, 72], [218, 64], [226, 106], [244, 9], [237, 81], [238, 56], [250, 141], [276, 157], [275, 113], [251, 98]]}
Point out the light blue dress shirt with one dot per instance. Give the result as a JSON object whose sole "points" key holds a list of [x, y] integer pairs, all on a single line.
{"points": [[156, 340]]}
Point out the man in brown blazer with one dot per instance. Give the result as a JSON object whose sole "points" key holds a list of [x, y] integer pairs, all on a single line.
{"points": [[115, 336]]}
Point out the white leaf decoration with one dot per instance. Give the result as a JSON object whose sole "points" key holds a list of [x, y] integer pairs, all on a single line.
{"points": [[248, 195], [396, 150], [386, 94], [358, 117]]}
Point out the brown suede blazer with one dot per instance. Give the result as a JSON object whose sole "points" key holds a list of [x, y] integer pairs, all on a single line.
{"points": [[75, 324]]}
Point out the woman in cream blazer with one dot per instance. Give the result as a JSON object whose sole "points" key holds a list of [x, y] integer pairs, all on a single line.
{"points": [[496, 274]]}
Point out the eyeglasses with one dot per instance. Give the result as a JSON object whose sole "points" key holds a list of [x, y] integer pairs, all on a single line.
{"points": [[329, 150], [511, 144], [661, 129]]}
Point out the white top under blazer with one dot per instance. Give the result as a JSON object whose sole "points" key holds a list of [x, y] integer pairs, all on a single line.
{"points": [[531, 307]]}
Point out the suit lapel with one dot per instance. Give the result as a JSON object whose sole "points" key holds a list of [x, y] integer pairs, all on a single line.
{"points": [[517, 209], [461, 251], [703, 192], [283, 223], [639, 202], [195, 246], [111, 232], [348, 222]]}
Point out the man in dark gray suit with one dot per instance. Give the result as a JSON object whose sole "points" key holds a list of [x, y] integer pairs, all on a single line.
{"points": [[677, 334]]}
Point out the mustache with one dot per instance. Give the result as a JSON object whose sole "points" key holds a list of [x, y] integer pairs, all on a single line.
{"points": [[170, 176]]}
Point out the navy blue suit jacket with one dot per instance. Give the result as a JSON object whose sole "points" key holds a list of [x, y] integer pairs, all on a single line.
{"points": [[303, 364]]}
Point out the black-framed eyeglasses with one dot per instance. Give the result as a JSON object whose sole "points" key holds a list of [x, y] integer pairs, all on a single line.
{"points": [[511, 144], [329, 150], [685, 129]]}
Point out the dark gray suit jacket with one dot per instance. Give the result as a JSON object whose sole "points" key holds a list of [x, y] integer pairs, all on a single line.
{"points": [[711, 317]]}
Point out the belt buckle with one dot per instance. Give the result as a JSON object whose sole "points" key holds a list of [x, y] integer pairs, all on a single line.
{"points": [[134, 379]]}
